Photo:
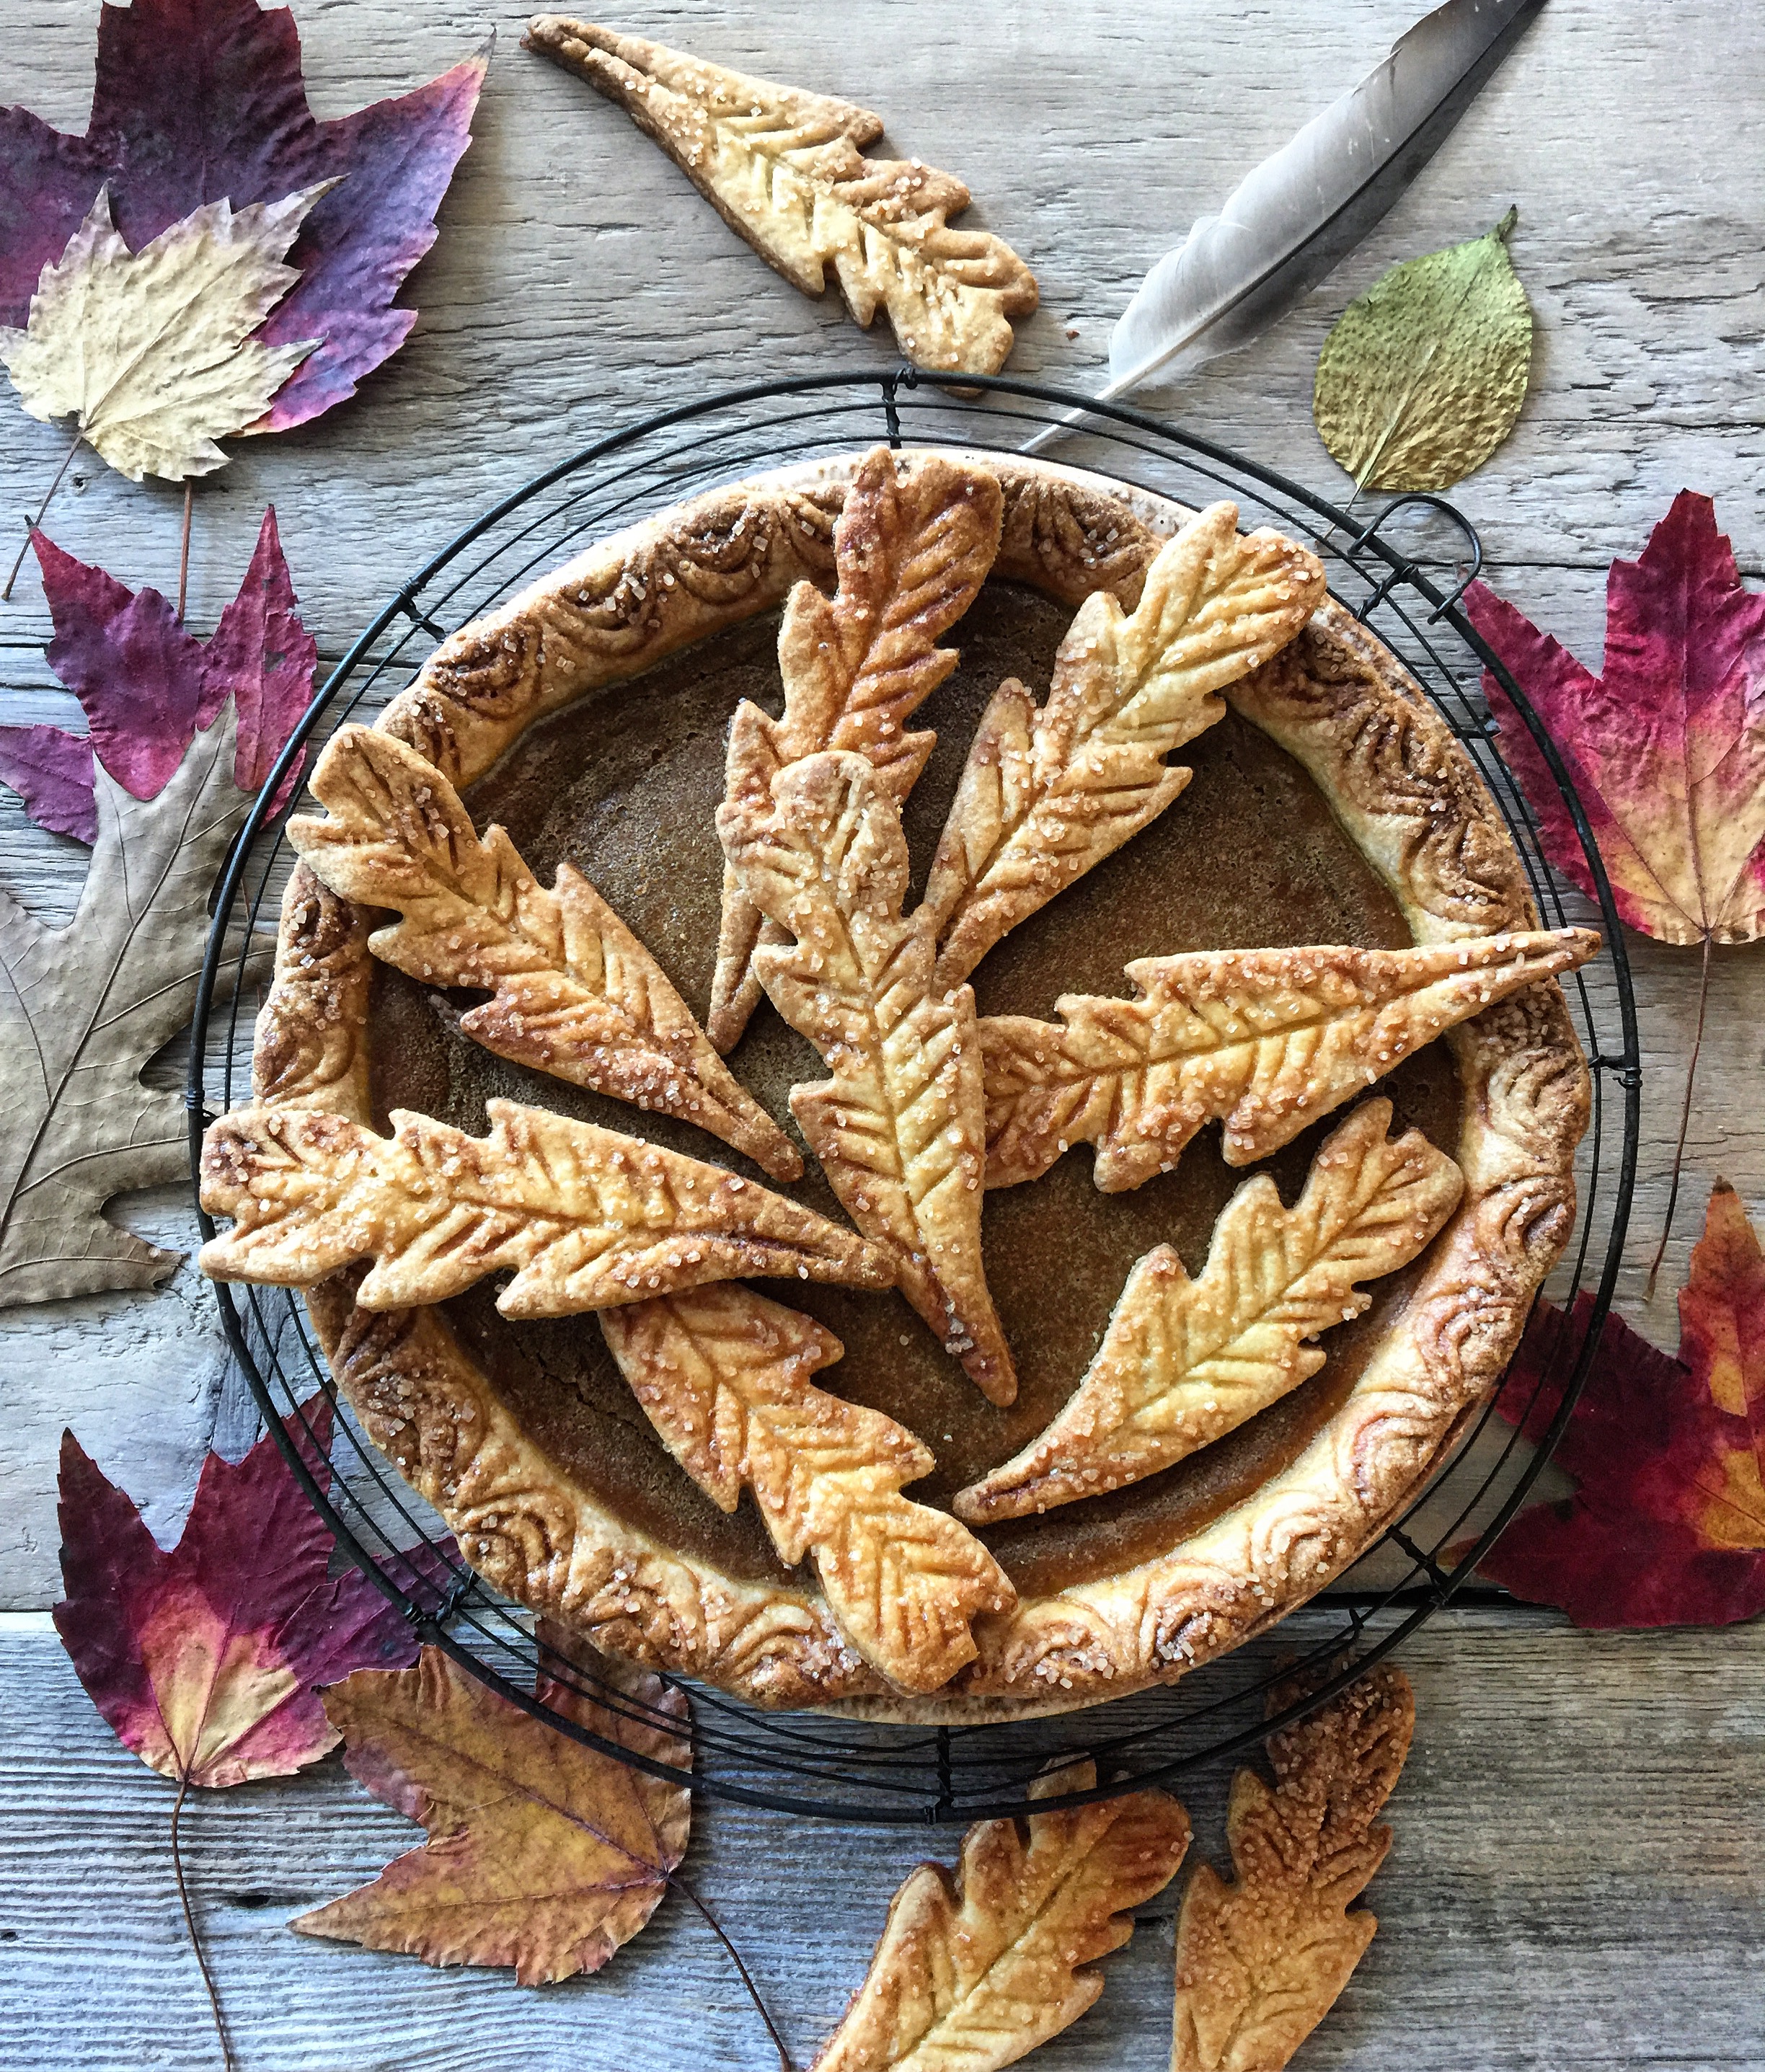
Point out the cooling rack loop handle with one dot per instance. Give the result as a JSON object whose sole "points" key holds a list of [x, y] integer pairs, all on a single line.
{"points": [[1405, 569]]}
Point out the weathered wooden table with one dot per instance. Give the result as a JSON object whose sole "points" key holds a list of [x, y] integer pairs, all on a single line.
{"points": [[1579, 1878]]}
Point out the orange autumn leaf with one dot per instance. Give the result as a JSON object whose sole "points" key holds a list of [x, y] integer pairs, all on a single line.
{"points": [[1721, 1327]]}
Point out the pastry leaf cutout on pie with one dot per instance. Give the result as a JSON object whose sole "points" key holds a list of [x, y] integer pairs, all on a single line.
{"points": [[724, 1374], [900, 1127], [1266, 1041], [1261, 1961], [1183, 1362], [585, 1218], [1048, 791], [972, 1972], [786, 169], [911, 553], [573, 993]]}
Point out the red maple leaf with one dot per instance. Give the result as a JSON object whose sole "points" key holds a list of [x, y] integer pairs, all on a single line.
{"points": [[1667, 1525], [199, 100]]}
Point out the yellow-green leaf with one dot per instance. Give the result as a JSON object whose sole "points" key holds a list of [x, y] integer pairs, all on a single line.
{"points": [[1423, 377]]}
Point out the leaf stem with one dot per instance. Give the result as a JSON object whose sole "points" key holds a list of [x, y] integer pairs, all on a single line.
{"points": [[184, 546], [716, 1927], [1685, 1125], [190, 1924], [5, 594]]}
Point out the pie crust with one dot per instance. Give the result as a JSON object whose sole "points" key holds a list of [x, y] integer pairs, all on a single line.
{"points": [[1407, 795]]}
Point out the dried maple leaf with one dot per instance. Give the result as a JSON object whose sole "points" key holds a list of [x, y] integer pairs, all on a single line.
{"points": [[1048, 791], [1666, 748], [199, 100], [1667, 1525], [573, 993], [723, 1374], [185, 732], [1183, 1362], [910, 554], [786, 170], [972, 1972], [899, 1129], [543, 1854], [584, 1218], [1266, 1041], [1261, 1961]]}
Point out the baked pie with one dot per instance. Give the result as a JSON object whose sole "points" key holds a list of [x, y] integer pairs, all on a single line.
{"points": [[739, 1085]]}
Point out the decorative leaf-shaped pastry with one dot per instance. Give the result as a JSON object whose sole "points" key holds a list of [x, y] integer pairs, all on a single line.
{"points": [[584, 1217], [1261, 1961], [910, 553], [1266, 1040], [971, 1973], [573, 993], [1184, 1362], [786, 170], [1049, 792], [724, 1376], [900, 1127]]}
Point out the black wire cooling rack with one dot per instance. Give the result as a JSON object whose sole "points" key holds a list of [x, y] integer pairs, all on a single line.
{"points": [[837, 1767]]}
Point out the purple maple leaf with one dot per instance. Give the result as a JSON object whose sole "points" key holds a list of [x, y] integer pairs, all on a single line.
{"points": [[196, 99]]}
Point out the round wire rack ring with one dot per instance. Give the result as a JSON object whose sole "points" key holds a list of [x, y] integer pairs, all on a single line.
{"points": [[837, 1768]]}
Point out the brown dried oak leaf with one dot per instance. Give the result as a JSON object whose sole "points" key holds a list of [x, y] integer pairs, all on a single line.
{"points": [[1267, 1041], [910, 553], [1261, 1961], [1049, 792], [971, 1974], [573, 993], [900, 1127], [542, 1853], [585, 1218], [786, 170], [1184, 1362], [723, 1374]]}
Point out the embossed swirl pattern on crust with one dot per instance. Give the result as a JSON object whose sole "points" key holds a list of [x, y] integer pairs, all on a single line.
{"points": [[1410, 796]]}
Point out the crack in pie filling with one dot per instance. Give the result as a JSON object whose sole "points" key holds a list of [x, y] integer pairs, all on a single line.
{"points": [[768, 1038]]}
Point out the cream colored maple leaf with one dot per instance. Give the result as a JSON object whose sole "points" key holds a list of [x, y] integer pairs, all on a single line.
{"points": [[970, 1974], [584, 1217], [1268, 1041], [1184, 1362], [1261, 1961], [899, 1129], [573, 993], [786, 170], [152, 351], [723, 1374], [911, 553], [1049, 792]]}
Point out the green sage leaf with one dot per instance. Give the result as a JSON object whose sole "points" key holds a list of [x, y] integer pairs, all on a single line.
{"points": [[1423, 376]]}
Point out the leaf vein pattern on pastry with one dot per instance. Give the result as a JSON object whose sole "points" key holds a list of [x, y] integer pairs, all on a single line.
{"points": [[1184, 1362], [585, 1218], [723, 1375], [1266, 1041], [900, 1128], [573, 993], [786, 169], [911, 553], [1049, 792]]}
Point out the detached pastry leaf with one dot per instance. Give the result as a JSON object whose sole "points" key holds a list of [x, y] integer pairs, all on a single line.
{"points": [[1261, 1961], [910, 553], [1183, 1362], [573, 993], [151, 352], [786, 170], [585, 1218], [1049, 792], [723, 1374], [1266, 1041], [899, 1129], [542, 1854], [973, 1971], [1423, 376]]}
